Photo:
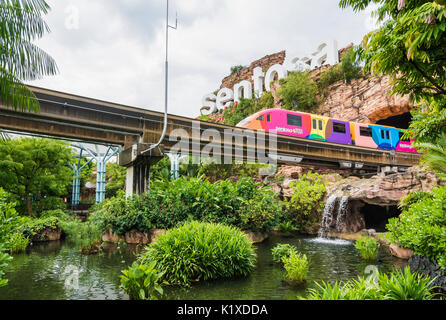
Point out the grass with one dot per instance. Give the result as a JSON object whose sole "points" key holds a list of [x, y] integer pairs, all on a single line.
{"points": [[200, 251], [368, 248], [281, 251], [297, 267]]}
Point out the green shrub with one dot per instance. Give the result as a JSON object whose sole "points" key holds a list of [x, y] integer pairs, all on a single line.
{"points": [[412, 198], [201, 251], [306, 202], [237, 69], [4, 259], [142, 282], [246, 107], [170, 203], [281, 251], [346, 70], [422, 227], [296, 266], [298, 92], [17, 243], [399, 285], [368, 247]]}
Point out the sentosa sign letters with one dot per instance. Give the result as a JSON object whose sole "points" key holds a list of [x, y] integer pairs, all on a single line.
{"points": [[327, 53]]}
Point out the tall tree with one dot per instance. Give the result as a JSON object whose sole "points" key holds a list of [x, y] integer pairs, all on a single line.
{"points": [[35, 168], [20, 60], [410, 47]]}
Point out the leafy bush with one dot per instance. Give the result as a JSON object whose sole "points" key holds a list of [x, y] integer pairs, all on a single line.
{"points": [[201, 251], [296, 266], [4, 259], [170, 203], [412, 198], [399, 285], [246, 107], [347, 70], [142, 282], [281, 251], [422, 227], [306, 202], [17, 243], [237, 69], [368, 247], [299, 92]]}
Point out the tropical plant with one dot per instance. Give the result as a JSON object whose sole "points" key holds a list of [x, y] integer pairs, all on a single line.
{"points": [[35, 168], [199, 251], [422, 227], [142, 282], [368, 247], [296, 266], [412, 198], [116, 176], [17, 243], [399, 285], [306, 202], [281, 251], [434, 155], [20, 59], [4, 259], [298, 92], [237, 69]]}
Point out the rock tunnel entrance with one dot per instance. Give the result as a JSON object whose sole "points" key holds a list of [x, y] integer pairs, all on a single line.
{"points": [[400, 121], [377, 217]]}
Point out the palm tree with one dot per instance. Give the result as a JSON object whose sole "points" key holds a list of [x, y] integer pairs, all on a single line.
{"points": [[21, 60], [435, 155]]}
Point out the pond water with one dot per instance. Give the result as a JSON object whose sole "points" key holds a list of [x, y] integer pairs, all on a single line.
{"points": [[56, 270]]}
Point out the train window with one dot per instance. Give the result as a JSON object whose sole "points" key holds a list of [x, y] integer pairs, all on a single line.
{"points": [[260, 118], [388, 134], [293, 120], [339, 127], [314, 124], [382, 134], [365, 132], [320, 125], [401, 137], [268, 117]]}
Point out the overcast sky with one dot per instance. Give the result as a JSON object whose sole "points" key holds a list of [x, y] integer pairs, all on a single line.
{"points": [[114, 50]]}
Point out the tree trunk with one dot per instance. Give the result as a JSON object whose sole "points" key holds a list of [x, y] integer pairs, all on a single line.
{"points": [[28, 202]]}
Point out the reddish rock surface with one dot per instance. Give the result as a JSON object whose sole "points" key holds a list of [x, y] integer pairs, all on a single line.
{"points": [[48, 234]]}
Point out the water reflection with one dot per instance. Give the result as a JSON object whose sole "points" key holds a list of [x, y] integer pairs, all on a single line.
{"points": [[56, 270]]}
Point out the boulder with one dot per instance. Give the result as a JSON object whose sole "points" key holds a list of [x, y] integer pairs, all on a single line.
{"points": [[137, 237], [110, 236], [400, 252], [256, 237], [47, 234], [154, 234]]}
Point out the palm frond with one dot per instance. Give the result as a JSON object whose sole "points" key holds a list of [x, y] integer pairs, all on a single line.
{"points": [[16, 94]]}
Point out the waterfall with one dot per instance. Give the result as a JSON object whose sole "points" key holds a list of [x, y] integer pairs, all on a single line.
{"points": [[327, 217], [342, 212]]}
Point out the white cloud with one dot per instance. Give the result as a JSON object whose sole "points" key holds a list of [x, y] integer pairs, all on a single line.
{"points": [[117, 53]]}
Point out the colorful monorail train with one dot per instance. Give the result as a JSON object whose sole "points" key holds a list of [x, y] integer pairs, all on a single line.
{"points": [[316, 127]]}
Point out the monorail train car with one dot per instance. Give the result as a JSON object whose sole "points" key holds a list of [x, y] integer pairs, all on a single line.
{"points": [[315, 127]]}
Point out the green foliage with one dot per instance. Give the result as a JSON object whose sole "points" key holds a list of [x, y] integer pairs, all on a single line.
{"points": [[296, 266], [409, 47], [422, 227], [170, 203], [347, 70], [4, 259], [201, 251], [17, 243], [368, 247], [246, 107], [142, 282], [20, 59], [116, 176], [435, 155], [35, 168], [281, 251], [237, 69], [299, 92], [399, 285], [215, 172], [412, 198], [306, 201], [428, 120]]}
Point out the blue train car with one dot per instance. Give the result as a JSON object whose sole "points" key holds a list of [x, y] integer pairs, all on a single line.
{"points": [[386, 138]]}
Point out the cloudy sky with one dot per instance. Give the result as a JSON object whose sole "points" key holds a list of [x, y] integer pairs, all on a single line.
{"points": [[114, 50]]}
